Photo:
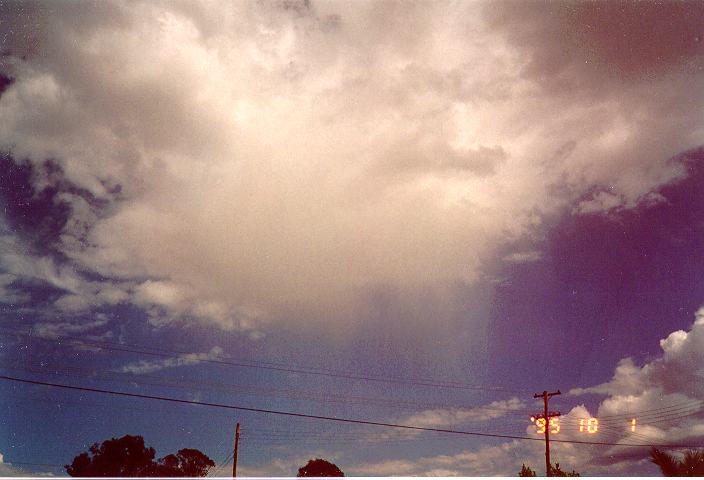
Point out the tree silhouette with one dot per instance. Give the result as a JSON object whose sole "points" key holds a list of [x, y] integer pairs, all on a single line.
{"points": [[129, 457], [188, 462], [691, 465], [555, 471], [319, 468]]}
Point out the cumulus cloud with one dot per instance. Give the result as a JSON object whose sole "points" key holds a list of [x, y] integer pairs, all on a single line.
{"points": [[505, 459], [665, 397], [676, 372], [251, 158], [144, 366]]}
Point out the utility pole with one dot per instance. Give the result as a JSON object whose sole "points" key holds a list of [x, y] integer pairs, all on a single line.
{"points": [[234, 454], [546, 415]]}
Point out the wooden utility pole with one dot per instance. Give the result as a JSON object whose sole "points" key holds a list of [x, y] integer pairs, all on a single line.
{"points": [[546, 415], [234, 454]]}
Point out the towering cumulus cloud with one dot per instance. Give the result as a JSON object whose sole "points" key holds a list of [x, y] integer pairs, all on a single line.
{"points": [[234, 161]]}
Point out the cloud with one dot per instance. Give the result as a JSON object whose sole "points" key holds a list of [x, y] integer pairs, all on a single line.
{"points": [[247, 160], [437, 418], [505, 459], [600, 202], [10, 470], [59, 329], [287, 466], [664, 395], [8, 294], [144, 366], [523, 257], [78, 294], [675, 374], [488, 461]]}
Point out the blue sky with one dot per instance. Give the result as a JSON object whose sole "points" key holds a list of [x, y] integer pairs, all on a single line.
{"points": [[411, 213]]}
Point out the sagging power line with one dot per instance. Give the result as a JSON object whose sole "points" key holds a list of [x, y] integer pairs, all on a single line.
{"points": [[249, 389], [322, 417]]}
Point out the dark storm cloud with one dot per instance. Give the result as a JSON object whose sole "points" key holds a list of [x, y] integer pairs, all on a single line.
{"points": [[21, 25], [591, 42]]}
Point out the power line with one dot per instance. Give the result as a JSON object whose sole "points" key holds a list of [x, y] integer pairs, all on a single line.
{"points": [[220, 466], [320, 417], [606, 426], [168, 382], [547, 415], [689, 404], [646, 419], [231, 361], [91, 374]]}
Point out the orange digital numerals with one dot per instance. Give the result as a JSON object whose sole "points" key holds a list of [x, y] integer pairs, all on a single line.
{"points": [[541, 425], [588, 425], [592, 425]]}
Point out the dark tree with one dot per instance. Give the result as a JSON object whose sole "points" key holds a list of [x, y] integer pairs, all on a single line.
{"points": [[129, 457], [691, 465], [319, 468], [118, 457], [526, 471], [558, 472], [186, 463], [555, 471]]}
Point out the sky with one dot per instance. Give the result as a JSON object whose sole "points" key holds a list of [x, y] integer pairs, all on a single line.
{"points": [[418, 213]]}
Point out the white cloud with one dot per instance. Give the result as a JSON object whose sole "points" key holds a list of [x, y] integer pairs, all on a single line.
{"points": [[498, 460], [674, 377], [23, 265], [600, 202], [287, 466], [523, 257], [437, 418], [59, 329], [263, 159], [144, 366], [506, 458], [10, 470], [665, 395]]}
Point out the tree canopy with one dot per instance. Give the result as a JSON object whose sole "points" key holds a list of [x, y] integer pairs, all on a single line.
{"points": [[128, 456], [691, 464], [319, 468]]}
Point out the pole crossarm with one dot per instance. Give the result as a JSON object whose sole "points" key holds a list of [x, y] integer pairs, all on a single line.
{"points": [[552, 394], [550, 415]]}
